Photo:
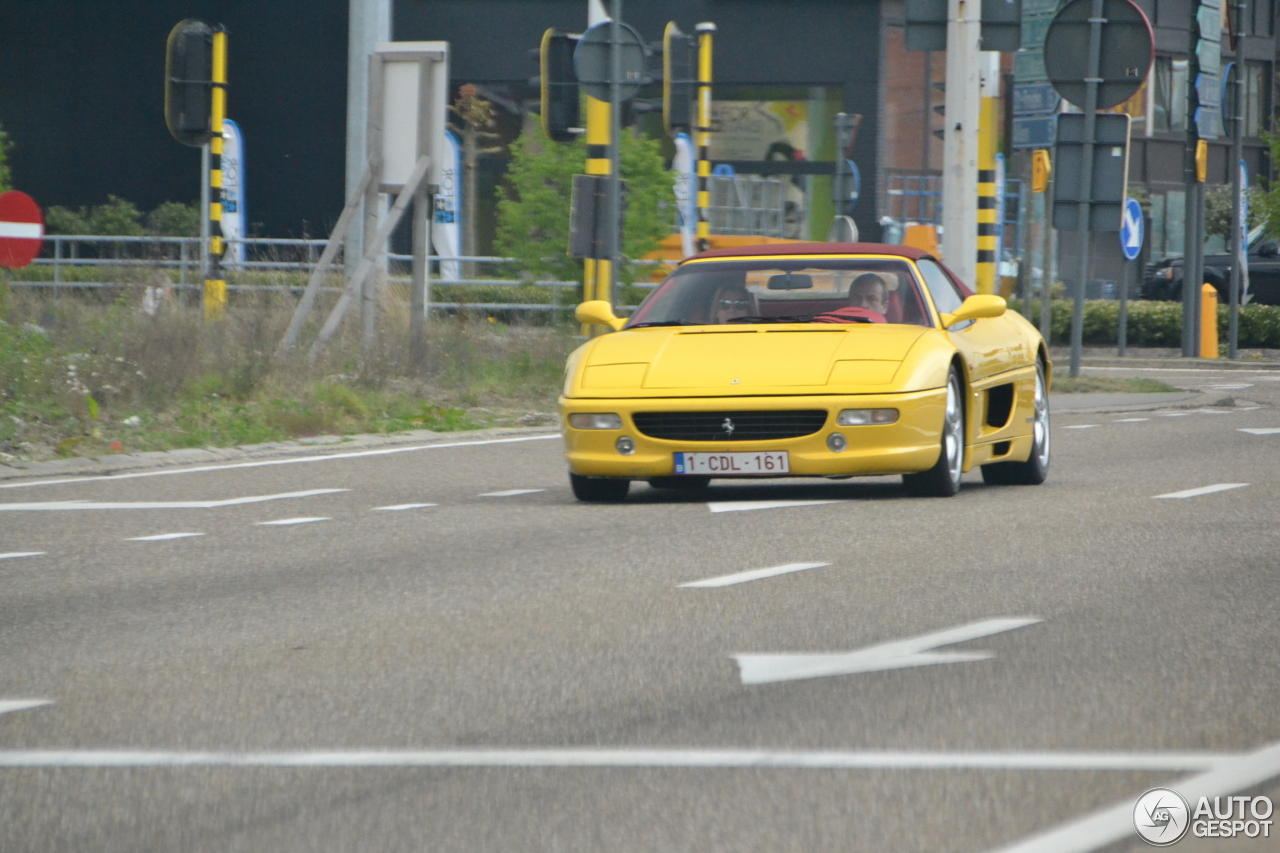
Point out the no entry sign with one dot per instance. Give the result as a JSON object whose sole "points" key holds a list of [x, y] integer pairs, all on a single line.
{"points": [[21, 229]]}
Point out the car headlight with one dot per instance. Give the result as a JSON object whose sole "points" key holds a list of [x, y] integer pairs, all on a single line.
{"points": [[1166, 274], [863, 417], [604, 420]]}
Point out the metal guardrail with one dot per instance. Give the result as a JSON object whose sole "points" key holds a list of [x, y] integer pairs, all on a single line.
{"points": [[267, 254]]}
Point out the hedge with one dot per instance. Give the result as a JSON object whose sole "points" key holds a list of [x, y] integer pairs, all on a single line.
{"points": [[1153, 324]]}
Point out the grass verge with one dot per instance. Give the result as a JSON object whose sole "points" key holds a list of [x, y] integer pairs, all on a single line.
{"points": [[1106, 384]]}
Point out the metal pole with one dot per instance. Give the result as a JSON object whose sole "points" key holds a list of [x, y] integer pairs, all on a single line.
{"points": [[960, 144], [1086, 179], [1237, 206], [704, 31], [57, 267], [1192, 272], [417, 301], [204, 211], [215, 288], [615, 146], [1051, 265], [1124, 305]]}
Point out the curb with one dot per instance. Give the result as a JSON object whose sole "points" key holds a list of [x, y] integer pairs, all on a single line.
{"points": [[120, 463]]}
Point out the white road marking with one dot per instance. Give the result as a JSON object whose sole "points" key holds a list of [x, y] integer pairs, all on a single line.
{"points": [[162, 537], [1230, 387], [1262, 430], [1132, 420], [896, 654], [301, 520], [1174, 414], [1248, 408], [511, 493], [48, 506], [1081, 426], [200, 469], [10, 555], [1211, 412], [1203, 490], [7, 705], [399, 507], [753, 575], [1109, 825], [628, 757], [743, 506]]}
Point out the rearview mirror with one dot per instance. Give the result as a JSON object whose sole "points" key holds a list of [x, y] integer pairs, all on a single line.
{"points": [[600, 313], [791, 281], [974, 308]]}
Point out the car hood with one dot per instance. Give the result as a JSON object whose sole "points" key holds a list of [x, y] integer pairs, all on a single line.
{"points": [[748, 360]]}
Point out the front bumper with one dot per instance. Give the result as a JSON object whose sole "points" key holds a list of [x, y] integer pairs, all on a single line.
{"points": [[907, 446]]}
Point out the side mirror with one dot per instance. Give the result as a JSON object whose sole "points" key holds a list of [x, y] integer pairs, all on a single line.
{"points": [[600, 313], [1269, 249], [975, 308]]}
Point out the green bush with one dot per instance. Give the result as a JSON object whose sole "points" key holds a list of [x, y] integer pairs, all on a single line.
{"points": [[1153, 324]]}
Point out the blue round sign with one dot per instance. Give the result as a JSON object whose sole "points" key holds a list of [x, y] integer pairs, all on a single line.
{"points": [[1131, 229]]}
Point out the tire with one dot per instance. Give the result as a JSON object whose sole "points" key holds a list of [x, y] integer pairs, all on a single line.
{"points": [[943, 479], [599, 489], [1034, 471], [683, 483]]}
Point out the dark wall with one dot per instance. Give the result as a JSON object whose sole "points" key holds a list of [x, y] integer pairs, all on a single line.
{"points": [[797, 42], [82, 97]]}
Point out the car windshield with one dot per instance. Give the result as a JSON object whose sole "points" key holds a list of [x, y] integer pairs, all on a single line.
{"points": [[780, 290]]}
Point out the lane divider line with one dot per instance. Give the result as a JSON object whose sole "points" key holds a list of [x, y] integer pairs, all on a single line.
{"points": [[52, 506], [301, 520], [162, 537], [1262, 430], [628, 758], [401, 507], [1132, 420], [1081, 426], [8, 705], [1107, 826], [511, 493], [13, 554], [1203, 490], [744, 506], [200, 469], [752, 575]]}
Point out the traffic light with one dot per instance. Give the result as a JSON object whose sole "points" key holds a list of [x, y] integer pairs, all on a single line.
{"points": [[561, 112], [679, 79], [1207, 65], [188, 82]]}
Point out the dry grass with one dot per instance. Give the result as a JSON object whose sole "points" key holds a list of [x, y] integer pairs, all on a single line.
{"points": [[83, 371]]}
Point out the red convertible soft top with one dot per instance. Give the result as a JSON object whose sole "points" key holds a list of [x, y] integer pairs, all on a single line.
{"points": [[767, 249]]}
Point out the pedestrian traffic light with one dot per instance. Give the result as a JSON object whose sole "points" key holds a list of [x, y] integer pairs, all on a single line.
{"points": [[679, 79], [560, 101], [188, 82]]}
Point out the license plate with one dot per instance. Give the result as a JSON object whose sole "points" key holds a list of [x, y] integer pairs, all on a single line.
{"points": [[732, 464]]}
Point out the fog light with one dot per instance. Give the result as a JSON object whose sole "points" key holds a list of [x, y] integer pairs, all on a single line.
{"points": [[595, 421], [836, 442], [863, 417], [625, 446]]}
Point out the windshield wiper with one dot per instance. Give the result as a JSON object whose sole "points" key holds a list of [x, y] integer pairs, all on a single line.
{"points": [[659, 323]]}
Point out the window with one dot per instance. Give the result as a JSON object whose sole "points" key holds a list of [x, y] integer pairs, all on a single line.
{"points": [[1170, 98], [946, 297]]}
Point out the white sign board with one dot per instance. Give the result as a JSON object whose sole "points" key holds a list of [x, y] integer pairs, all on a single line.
{"points": [[410, 83]]}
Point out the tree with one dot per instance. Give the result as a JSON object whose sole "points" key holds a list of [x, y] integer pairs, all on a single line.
{"points": [[476, 114], [1217, 211], [1265, 206], [533, 212]]}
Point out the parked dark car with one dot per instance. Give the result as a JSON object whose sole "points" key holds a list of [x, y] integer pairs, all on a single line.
{"points": [[1163, 279]]}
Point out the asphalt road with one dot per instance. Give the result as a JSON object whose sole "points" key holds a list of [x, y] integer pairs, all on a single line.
{"points": [[500, 668]]}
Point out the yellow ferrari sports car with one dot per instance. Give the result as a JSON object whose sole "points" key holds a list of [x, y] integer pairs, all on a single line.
{"points": [[807, 360]]}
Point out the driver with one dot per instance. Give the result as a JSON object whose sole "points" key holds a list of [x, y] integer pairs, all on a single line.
{"points": [[868, 291], [730, 302]]}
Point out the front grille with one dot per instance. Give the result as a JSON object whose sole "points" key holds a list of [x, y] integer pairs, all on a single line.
{"points": [[729, 426]]}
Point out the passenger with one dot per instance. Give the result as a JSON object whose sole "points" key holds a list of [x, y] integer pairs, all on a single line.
{"points": [[731, 301]]}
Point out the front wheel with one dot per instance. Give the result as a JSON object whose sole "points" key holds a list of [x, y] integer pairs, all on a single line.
{"points": [[943, 479], [1034, 471], [598, 489]]}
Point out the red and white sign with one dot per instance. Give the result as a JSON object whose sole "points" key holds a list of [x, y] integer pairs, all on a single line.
{"points": [[21, 229]]}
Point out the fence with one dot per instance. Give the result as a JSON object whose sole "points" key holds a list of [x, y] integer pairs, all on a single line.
{"points": [[747, 204], [69, 255], [917, 199]]}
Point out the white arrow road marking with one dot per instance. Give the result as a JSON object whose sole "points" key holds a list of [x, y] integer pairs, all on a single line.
{"points": [[627, 757], [162, 537], [46, 506], [13, 554], [1262, 430], [753, 575], [400, 507], [301, 520], [1109, 825], [743, 506], [511, 493], [897, 654], [1203, 490], [7, 705]]}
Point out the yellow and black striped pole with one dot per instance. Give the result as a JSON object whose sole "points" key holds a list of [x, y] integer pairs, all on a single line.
{"points": [[985, 272], [704, 31], [597, 272], [215, 288]]}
